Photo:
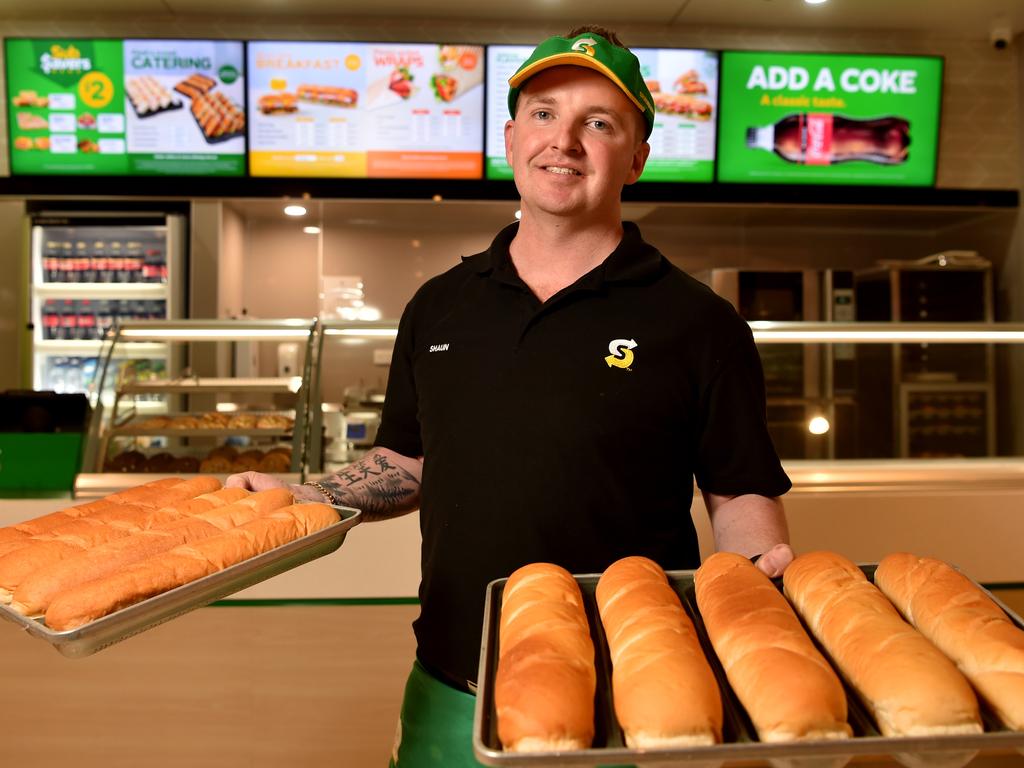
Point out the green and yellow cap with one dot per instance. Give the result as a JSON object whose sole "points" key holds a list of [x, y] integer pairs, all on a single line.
{"points": [[594, 52]]}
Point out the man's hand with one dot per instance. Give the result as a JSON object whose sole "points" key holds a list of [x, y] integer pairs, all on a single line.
{"points": [[774, 561], [257, 481], [254, 481]]}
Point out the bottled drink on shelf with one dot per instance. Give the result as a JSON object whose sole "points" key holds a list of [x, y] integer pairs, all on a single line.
{"points": [[51, 262], [133, 258], [154, 269], [51, 319], [86, 320], [104, 270], [827, 139], [117, 258], [104, 318], [68, 321], [67, 264], [84, 272]]}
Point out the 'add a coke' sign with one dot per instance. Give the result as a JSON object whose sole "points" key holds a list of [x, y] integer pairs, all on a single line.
{"points": [[829, 118]]}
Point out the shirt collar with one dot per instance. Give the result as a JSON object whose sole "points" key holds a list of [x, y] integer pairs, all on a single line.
{"points": [[632, 259]]}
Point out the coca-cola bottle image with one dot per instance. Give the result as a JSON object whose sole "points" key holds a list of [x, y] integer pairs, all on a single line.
{"points": [[827, 139]]}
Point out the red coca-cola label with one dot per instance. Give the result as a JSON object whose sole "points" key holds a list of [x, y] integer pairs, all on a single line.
{"points": [[819, 140]]}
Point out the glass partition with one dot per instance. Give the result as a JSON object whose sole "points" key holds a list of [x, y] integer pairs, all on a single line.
{"points": [[233, 397], [835, 391]]}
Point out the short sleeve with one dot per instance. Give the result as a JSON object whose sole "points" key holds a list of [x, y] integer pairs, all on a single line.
{"points": [[399, 425], [735, 453]]}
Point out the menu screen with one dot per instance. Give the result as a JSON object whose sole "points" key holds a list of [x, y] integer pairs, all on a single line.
{"points": [[684, 84], [829, 119], [126, 107], [366, 110]]}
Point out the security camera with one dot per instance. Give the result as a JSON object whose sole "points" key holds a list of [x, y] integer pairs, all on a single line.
{"points": [[1000, 34]]}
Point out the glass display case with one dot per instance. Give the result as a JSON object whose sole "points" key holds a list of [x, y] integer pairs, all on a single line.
{"points": [[930, 422], [223, 405], [348, 383]]}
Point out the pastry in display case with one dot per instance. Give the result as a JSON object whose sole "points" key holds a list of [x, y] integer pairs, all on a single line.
{"points": [[213, 411]]}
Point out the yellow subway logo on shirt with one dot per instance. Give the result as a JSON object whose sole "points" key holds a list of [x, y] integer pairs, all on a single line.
{"points": [[621, 353]]}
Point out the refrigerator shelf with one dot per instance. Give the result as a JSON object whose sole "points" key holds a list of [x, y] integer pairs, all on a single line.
{"points": [[101, 290]]}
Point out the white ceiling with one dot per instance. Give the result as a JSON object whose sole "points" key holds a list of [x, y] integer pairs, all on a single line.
{"points": [[958, 18]]}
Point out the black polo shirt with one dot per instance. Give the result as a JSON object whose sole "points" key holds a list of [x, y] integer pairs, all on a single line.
{"points": [[569, 431]]}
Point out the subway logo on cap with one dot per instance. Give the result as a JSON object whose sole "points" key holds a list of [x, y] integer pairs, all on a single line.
{"points": [[593, 52]]}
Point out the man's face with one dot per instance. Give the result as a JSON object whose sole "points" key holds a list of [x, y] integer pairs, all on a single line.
{"points": [[575, 141]]}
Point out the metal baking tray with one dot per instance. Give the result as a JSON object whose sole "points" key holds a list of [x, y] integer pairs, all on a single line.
{"points": [[120, 625], [739, 739]]}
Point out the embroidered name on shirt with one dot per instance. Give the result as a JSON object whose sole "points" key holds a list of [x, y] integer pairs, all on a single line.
{"points": [[439, 347]]}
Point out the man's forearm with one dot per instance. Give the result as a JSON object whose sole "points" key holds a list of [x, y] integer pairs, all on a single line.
{"points": [[748, 525], [382, 484]]}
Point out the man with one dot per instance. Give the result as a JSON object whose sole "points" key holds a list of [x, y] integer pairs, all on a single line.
{"points": [[552, 398]]}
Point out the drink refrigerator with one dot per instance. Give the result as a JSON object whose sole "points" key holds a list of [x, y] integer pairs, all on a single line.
{"points": [[89, 270]]}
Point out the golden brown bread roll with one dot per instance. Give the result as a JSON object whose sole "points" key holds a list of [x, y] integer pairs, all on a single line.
{"points": [[545, 681], [786, 686], [215, 464], [228, 452], [664, 691], [48, 522], [73, 538], [275, 462], [242, 421], [965, 624], [184, 564], [201, 517], [909, 686]]}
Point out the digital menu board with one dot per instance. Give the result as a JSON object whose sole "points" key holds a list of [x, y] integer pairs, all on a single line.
{"points": [[684, 84], [366, 110], [818, 118], [126, 107]]}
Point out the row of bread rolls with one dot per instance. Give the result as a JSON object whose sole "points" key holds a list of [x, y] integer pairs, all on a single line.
{"points": [[215, 420], [81, 563], [666, 696], [224, 459]]}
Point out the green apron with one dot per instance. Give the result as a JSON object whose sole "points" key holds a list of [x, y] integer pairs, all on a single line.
{"points": [[435, 727]]}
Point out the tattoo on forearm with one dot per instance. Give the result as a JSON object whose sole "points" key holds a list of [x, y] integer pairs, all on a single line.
{"points": [[377, 487]]}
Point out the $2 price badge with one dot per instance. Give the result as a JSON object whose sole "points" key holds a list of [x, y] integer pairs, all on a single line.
{"points": [[96, 90]]}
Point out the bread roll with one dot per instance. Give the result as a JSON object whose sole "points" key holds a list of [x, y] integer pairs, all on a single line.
{"points": [[79, 535], [664, 691], [48, 522], [201, 517], [545, 681], [184, 564], [786, 686], [909, 686], [948, 609]]}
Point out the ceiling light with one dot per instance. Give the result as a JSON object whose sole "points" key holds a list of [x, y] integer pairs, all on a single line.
{"points": [[818, 425], [311, 230], [815, 2], [294, 210]]}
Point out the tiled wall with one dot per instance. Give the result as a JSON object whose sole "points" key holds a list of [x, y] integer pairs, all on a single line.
{"points": [[978, 143]]}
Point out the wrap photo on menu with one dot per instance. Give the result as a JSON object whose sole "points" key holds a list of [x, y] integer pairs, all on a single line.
{"points": [[126, 107], [365, 110]]}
